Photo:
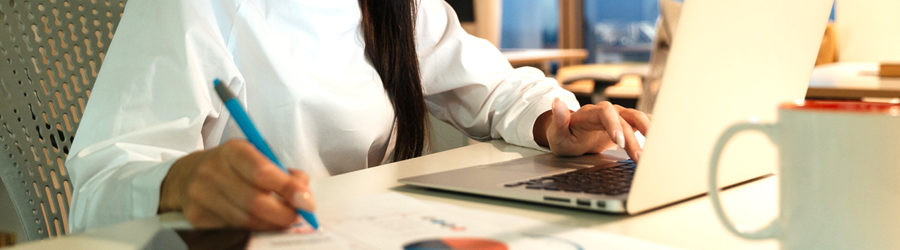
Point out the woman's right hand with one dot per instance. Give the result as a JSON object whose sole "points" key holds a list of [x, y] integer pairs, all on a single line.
{"points": [[234, 185]]}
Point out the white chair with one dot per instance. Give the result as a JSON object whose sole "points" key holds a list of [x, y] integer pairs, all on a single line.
{"points": [[50, 53]]}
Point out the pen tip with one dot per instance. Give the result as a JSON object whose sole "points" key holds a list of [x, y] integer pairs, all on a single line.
{"points": [[216, 82]]}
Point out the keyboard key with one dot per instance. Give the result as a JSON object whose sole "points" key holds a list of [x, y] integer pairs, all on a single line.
{"points": [[602, 179]]}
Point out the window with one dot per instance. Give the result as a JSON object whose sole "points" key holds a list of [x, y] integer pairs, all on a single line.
{"points": [[619, 31], [529, 24]]}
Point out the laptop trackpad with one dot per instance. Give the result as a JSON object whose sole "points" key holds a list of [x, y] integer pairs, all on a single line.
{"points": [[546, 164]]}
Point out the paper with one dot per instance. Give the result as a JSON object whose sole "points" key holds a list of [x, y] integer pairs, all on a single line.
{"points": [[395, 221]]}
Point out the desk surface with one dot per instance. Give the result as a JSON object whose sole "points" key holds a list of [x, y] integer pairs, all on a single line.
{"points": [[851, 80], [841, 80], [690, 224], [539, 56]]}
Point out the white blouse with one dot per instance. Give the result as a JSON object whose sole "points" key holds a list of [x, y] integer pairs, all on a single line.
{"points": [[300, 69]]}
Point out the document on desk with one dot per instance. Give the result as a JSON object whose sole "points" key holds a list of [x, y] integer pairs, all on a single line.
{"points": [[395, 221]]}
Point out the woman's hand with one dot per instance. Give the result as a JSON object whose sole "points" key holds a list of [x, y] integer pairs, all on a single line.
{"points": [[591, 129], [234, 185]]}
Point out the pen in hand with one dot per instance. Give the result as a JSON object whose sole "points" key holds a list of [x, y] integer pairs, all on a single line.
{"points": [[243, 121]]}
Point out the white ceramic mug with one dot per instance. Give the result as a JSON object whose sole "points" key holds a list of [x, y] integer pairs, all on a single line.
{"points": [[839, 175]]}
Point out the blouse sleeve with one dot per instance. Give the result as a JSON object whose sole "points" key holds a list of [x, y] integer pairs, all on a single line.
{"points": [[471, 86], [150, 105]]}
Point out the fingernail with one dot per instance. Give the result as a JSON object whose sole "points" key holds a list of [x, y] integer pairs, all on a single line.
{"points": [[300, 199], [559, 113], [620, 139], [553, 105]]}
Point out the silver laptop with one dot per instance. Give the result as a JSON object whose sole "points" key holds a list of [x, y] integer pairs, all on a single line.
{"points": [[731, 60]]}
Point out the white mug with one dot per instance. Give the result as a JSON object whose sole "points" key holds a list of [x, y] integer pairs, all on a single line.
{"points": [[839, 175]]}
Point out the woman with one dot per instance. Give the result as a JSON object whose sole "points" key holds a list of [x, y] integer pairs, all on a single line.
{"points": [[335, 86]]}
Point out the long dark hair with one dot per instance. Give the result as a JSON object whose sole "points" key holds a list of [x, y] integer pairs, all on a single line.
{"points": [[388, 28]]}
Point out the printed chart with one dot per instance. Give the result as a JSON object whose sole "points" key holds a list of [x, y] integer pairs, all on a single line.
{"points": [[395, 221], [456, 244]]}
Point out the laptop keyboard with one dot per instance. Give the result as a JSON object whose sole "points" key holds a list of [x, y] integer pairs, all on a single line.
{"points": [[601, 179]]}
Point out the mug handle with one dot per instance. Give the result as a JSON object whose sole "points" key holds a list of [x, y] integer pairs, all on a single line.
{"points": [[769, 231]]}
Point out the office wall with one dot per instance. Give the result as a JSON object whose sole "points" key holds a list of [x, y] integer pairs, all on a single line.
{"points": [[868, 30]]}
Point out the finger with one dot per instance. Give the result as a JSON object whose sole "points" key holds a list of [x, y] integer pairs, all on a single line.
{"points": [[198, 210], [302, 197], [235, 189], [603, 116], [202, 198], [242, 195], [632, 147], [246, 160], [262, 173], [271, 209], [621, 109], [300, 175], [560, 121], [211, 199], [636, 119]]}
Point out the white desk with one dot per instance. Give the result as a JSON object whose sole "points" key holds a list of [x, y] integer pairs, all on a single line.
{"points": [[691, 224], [842, 80], [852, 80], [541, 58], [524, 57]]}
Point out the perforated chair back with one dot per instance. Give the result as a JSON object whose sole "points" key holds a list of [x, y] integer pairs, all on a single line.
{"points": [[50, 53]]}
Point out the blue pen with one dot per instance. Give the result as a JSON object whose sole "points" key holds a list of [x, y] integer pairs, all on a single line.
{"points": [[243, 121]]}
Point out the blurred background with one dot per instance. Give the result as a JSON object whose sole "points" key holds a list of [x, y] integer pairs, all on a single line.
{"points": [[613, 50]]}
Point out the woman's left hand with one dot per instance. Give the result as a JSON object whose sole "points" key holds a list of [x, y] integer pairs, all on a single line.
{"points": [[591, 129]]}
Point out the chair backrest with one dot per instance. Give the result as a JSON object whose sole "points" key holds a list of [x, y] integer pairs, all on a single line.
{"points": [[50, 53], [669, 12]]}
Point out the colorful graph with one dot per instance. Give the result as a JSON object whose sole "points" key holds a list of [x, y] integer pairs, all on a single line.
{"points": [[444, 224], [459, 243]]}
